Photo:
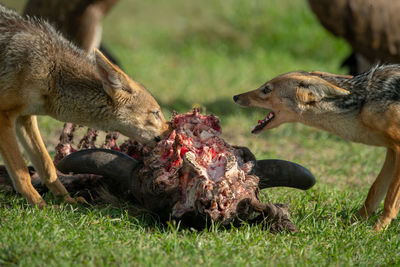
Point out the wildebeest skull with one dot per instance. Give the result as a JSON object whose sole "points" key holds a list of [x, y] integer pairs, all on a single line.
{"points": [[194, 176]]}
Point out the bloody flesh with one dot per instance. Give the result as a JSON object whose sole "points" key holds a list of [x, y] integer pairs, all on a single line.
{"points": [[208, 172]]}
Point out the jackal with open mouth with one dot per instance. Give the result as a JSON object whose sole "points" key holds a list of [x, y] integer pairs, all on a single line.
{"points": [[363, 109]]}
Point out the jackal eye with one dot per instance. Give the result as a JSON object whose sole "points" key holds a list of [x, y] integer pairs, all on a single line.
{"points": [[266, 89], [156, 113]]}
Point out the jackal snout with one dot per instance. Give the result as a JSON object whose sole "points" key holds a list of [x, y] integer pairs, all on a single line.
{"points": [[275, 96], [240, 100]]}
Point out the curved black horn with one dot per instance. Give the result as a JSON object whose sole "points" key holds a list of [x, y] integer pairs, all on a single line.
{"points": [[275, 172], [108, 163]]}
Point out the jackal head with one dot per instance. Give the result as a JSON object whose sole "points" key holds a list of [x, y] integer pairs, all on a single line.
{"points": [[136, 113], [291, 96]]}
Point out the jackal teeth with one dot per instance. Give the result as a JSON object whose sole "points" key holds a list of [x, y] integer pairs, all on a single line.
{"points": [[262, 123]]}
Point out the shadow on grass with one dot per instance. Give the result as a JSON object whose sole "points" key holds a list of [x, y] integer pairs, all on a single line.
{"points": [[124, 212], [145, 220]]}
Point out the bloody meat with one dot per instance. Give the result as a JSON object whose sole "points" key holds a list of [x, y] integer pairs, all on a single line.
{"points": [[211, 177]]}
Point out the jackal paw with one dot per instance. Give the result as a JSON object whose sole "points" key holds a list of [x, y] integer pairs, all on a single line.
{"points": [[70, 200], [382, 224], [362, 213], [357, 217], [41, 204], [378, 227], [35, 199]]}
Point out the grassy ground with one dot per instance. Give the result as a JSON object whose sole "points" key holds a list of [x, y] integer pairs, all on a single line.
{"points": [[202, 53]]}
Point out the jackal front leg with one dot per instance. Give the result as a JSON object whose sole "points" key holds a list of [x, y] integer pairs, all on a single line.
{"points": [[380, 186], [391, 206], [29, 136], [15, 162]]}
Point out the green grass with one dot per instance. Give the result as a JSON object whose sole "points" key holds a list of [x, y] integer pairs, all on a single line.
{"points": [[202, 53]]}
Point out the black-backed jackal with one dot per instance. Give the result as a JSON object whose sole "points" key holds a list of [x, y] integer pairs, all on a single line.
{"points": [[363, 108], [41, 73]]}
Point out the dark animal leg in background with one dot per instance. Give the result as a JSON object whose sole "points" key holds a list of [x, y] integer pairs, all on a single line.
{"points": [[109, 55], [351, 63]]}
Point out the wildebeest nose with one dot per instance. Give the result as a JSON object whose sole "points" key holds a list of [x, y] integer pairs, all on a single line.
{"points": [[235, 97]]}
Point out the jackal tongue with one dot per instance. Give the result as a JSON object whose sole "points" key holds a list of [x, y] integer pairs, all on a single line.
{"points": [[262, 123]]}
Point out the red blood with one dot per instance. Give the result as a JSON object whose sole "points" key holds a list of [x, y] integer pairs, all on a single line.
{"points": [[175, 163], [183, 151], [213, 153]]}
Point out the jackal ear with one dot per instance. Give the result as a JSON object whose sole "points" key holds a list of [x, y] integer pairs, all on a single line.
{"points": [[305, 96], [111, 76], [331, 90], [314, 93]]}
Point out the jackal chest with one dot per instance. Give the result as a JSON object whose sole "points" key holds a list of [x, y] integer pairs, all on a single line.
{"points": [[351, 129], [35, 105], [361, 134], [21, 102]]}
